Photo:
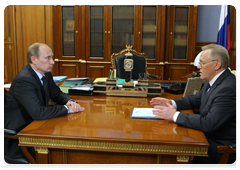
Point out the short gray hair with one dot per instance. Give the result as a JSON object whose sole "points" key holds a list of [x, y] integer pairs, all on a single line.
{"points": [[33, 50], [218, 52]]}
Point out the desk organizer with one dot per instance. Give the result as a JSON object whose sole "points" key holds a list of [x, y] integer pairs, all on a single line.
{"points": [[143, 88]]}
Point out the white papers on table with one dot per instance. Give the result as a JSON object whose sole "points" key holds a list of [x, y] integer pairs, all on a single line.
{"points": [[7, 86], [100, 79], [143, 113], [86, 87]]}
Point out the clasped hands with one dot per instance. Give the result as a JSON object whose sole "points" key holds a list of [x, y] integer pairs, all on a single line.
{"points": [[163, 108], [74, 107]]}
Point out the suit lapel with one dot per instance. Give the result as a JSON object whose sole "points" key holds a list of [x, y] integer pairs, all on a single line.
{"points": [[46, 91], [204, 99], [45, 95]]}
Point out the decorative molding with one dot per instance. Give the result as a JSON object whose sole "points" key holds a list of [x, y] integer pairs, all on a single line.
{"points": [[160, 63], [98, 62], [69, 56], [111, 146], [182, 158], [82, 61], [191, 63], [41, 150], [66, 60]]}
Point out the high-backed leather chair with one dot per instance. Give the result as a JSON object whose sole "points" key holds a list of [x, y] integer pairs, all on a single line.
{"points": [[139, 63]]}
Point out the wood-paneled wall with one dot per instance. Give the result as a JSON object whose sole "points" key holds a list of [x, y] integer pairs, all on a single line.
{"points": [[27, 24], [23, 26], [33, 24], [10, 58]]}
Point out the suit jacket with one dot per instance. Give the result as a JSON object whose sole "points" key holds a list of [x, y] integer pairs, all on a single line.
{"points": [[217, 118], [26, 101]]}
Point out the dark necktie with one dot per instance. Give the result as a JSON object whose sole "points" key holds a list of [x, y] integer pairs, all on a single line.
{"points": [[45, 89], [206, 90], [44, 82]]}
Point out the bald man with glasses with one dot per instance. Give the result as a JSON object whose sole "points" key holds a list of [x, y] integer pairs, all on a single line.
{"points": [[216, 100]]}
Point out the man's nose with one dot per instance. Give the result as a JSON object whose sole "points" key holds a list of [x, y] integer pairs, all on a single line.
{"points": [[52, 62], [199, 66]]}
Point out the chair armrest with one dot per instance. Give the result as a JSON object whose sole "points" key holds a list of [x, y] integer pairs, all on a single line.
{"points": [[153, 76], [10, 134], [225, 150]]}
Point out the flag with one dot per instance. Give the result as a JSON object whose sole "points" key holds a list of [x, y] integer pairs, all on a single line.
{"points": [[224, 27]]}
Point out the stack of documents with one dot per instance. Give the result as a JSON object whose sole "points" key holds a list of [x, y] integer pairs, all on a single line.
{"points": [[85, 87], [59, 79], [74, 81]]}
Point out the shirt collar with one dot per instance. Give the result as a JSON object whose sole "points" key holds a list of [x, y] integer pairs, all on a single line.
{"points": [[39, 75], [215, 78]]}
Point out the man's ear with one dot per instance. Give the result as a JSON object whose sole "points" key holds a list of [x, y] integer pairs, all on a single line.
{"points": [[218, 65], [34, 59]]}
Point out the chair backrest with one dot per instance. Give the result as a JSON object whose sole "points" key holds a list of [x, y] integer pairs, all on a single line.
{"points": [[139, 63]]}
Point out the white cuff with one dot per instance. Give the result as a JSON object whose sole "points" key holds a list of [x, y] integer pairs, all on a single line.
{"points": [[67, 108], [175, 116], [174, 104]]}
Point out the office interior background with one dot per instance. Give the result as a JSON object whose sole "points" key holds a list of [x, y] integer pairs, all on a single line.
{"points": [[83, 37]]}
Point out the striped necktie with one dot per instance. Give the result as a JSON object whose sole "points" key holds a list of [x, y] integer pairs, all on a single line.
{"points": [[206, 90]]}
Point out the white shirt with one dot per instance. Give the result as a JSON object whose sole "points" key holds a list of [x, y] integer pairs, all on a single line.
{"points": [[39, 75], [211, 82]]}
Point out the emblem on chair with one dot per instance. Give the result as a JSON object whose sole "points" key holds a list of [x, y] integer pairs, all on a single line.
{"points": [[129, 48], [128, 65]]}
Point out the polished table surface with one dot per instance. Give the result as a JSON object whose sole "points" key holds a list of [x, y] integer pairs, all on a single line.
{"points": [[106, 127]]}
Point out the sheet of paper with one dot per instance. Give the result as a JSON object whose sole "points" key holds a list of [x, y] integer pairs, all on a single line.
{"points": [[64, 89], [59, 78], [142, 113], [7, 86], [85, 88], [100, 79]]}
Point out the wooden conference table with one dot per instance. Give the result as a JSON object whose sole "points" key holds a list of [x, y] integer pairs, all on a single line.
{"points": [[105, 133]]}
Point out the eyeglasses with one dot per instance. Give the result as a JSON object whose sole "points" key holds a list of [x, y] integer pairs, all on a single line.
{"points": [[202, 63]]}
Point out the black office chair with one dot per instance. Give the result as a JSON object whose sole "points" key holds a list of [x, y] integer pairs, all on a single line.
{"points": [[139, 64], [12, 134]]}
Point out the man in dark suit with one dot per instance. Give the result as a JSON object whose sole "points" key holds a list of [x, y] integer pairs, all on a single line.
{"points": [[216, 100], [28, 96]]}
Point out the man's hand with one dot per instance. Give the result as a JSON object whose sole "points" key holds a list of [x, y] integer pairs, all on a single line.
{"points": [[160, 101], [74, 107], [164, 112]]}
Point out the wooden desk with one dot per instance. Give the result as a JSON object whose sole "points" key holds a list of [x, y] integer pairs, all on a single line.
{"points": [[105, 133]]}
